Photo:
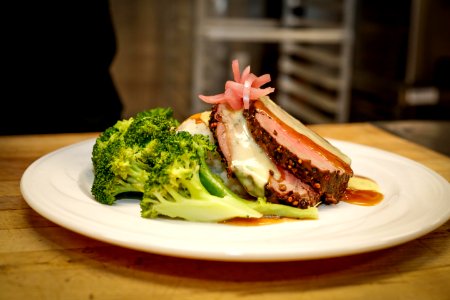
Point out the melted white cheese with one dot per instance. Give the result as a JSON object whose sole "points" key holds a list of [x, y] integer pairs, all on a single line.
{"points": [[249, 162]]}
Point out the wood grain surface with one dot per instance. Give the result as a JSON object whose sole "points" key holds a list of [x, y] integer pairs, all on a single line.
{"points": [[41, 260]]}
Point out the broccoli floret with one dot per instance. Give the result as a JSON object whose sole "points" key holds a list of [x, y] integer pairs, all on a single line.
{"points": [[150, 125], [168, 169], [118, 155]]}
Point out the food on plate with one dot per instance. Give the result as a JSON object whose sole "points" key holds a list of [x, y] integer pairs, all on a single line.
{"points": [[148, 158], [271, 153], [245, 158]]}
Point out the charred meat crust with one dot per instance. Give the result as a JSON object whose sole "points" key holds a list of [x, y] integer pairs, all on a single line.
{"points": [[329, 185], [289, 198], [214, 118]]}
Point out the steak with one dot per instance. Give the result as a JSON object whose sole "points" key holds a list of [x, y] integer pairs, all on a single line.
{"points": [[300, 151], [249, 163]]}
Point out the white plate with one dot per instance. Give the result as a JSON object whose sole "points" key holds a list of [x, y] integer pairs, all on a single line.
{"points": [[416, 202]]}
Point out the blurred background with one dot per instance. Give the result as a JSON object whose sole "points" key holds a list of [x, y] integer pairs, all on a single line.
{"points": [[330, 60], [80, 66]]}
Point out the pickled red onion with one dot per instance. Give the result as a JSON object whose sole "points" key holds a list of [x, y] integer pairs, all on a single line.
{"points": [[245, 87]]}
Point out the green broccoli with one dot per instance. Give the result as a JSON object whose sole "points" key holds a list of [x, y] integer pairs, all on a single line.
{"points": [[168, 169], [118, 155]]}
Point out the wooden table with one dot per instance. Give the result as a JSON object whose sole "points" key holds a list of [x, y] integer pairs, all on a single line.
{"points": [[40, 260]]}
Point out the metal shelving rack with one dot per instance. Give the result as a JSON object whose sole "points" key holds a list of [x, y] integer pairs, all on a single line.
{"points": [[314, 63]]}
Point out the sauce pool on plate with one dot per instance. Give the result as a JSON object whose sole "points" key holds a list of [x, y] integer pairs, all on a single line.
{"points": [[362, 191]]}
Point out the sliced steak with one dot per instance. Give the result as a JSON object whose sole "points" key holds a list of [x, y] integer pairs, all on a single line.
{"points": [[249, 163], [294, 147]]}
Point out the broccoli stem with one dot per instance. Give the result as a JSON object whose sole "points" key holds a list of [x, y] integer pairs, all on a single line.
{"points": [[213, 209]]}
